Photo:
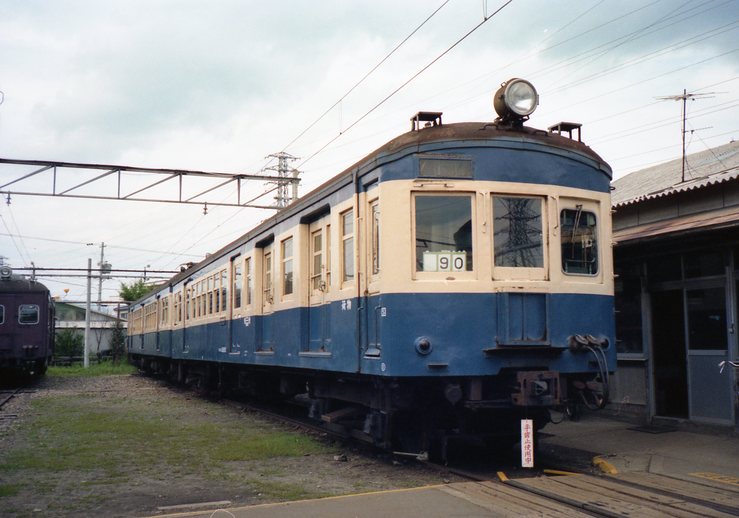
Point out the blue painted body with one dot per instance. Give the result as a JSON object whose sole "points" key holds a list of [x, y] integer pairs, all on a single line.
{"points": [[528, 330]]}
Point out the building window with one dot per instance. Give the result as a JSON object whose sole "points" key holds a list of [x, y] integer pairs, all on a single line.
{"points": [[518, 234], [287, 266], [28, 314], [347, 244], [443, 233], [579, 241], [628, 309], [706, 319], [236, 275]]}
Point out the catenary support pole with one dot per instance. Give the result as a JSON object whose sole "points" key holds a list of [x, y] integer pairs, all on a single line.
{"points": [[87, 312]]}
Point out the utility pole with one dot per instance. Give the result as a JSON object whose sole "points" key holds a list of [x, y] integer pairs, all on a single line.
{"points": [[684, 98], [287, 176], [87, 313]]}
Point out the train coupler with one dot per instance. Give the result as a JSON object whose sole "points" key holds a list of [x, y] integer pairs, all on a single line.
{"points": [[536, 388]]}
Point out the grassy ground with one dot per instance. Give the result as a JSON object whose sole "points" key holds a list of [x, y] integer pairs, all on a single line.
{"points": [[97, 369], [122, 445], [80, 447]]}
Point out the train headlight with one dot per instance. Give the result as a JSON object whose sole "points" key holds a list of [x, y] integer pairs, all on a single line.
{"points": [[515, 100]]}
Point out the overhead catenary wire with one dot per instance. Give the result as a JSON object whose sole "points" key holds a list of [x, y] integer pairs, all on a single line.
{"points": [[371, 71], [408, 81]]}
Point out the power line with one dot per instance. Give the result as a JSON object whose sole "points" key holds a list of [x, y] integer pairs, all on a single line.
{"points": [[311, 125], [414, 76], [10, 235]]}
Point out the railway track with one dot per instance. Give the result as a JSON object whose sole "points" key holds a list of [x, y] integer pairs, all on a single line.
{"points": [[6, 396], [510, 491]]}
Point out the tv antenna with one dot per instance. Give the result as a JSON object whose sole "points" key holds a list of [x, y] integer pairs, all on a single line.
{"points": [[684, 98]]}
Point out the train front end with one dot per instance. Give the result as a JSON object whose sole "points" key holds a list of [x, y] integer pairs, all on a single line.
{"points": [[502, 306]]}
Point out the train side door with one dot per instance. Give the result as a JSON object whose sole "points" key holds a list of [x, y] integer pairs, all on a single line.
{"points": [[266, 340], [374, 311], [234, 305], [319, 280]]}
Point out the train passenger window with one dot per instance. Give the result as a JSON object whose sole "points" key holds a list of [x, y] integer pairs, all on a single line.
{"points": [[578, 229], [347, 243], [267, 276], [375, 236], [517, 232], [2, 314], [249, 281], [188, 305], [28, 314], [177, 307], [164, 311], [443, 233], [211, 295], [316, 272], [319, 260], [223, 291], [236, 276], [287, 266]]}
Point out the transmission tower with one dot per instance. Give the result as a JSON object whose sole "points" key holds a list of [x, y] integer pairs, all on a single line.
{"points": [[287, 185], [684, 98]]}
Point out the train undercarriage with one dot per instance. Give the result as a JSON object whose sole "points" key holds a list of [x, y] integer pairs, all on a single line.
{"points": [[412, 416]]}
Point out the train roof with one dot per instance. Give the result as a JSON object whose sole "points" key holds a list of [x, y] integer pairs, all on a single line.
{"points": [[18, 284], [412, 142]]}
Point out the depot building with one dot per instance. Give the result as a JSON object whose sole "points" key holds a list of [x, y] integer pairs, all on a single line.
{"points": [[676, 253]]}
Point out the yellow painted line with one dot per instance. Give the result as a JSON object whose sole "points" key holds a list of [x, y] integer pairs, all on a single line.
{"points": [[604, 466], [717, 477], [502, 477], [294, 502], [559, 472]]}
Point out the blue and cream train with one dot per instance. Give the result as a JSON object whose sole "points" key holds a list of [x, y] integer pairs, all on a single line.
{"points": [[454, 281]]}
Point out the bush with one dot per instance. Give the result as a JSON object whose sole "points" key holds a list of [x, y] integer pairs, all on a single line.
{"points": [[118, 343], [69, 343]]}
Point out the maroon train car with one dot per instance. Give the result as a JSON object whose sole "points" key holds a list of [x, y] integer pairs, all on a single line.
{"points": [[26, 324]]}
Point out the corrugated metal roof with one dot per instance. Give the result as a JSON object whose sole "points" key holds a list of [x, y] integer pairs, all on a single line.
{"points": [[685, 224], [709, 167]]}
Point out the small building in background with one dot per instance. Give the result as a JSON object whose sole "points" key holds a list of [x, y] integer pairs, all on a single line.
{"points": [[676, 234], [72, 316]]}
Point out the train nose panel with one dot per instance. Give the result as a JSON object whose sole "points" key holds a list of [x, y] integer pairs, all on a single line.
{"points": [[522, 319]]}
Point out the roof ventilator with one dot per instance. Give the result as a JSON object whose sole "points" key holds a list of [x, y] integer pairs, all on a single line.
{"points": [[566, 127], [429, 118]]}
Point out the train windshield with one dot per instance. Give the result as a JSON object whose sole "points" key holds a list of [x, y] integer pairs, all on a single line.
{"points": [[443, 233], [518, 235], [28, 314], [579, 241]]}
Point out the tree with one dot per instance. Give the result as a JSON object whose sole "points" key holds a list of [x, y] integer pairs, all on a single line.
{"points": [[118, 343], [134, 291], [68, 342]]}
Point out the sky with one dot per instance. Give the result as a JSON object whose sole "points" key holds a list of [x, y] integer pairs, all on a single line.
{"points": [[220, 85]]}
